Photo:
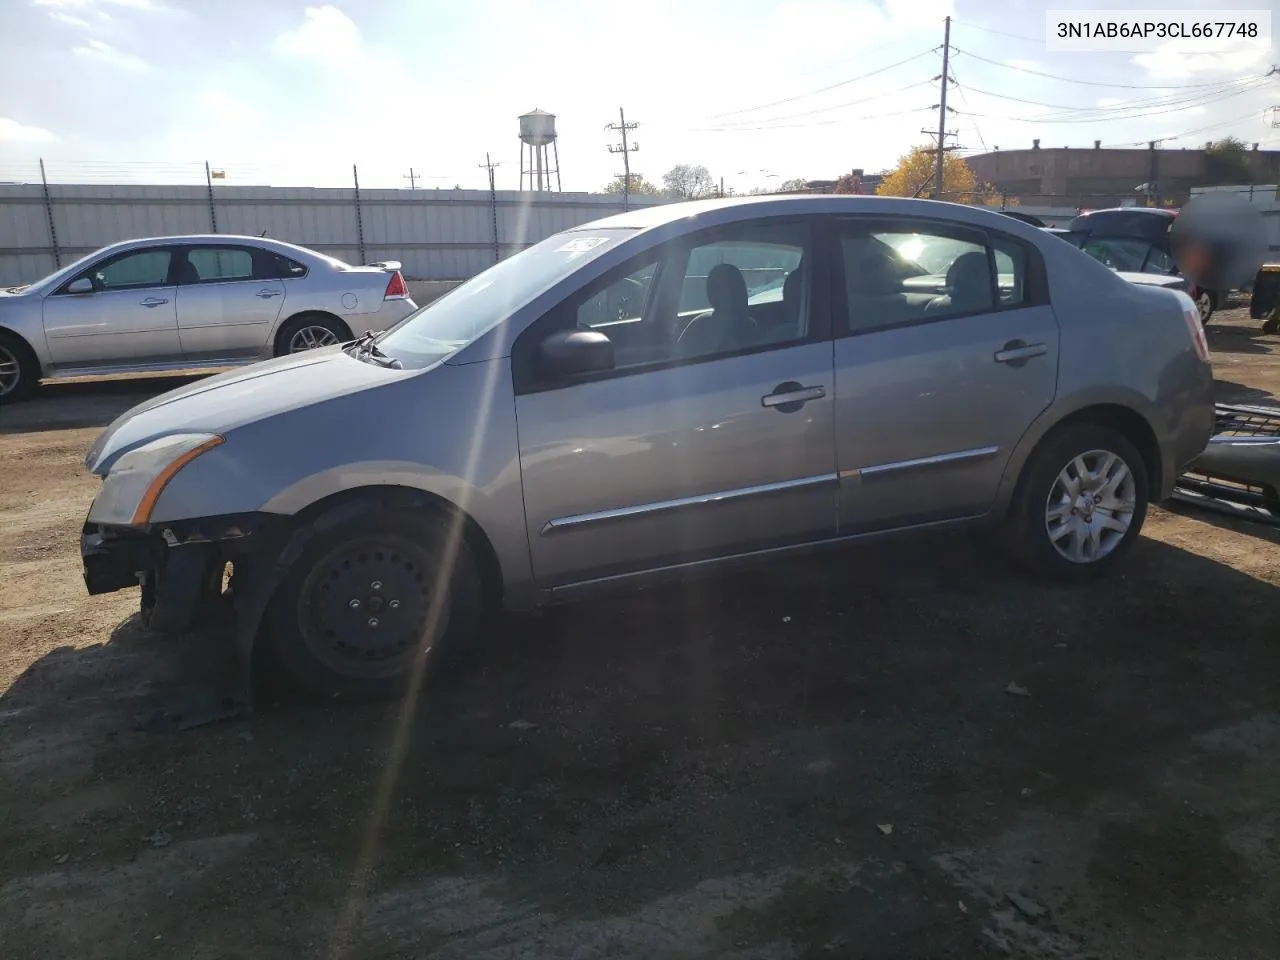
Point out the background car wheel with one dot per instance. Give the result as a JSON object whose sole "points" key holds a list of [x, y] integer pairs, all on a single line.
{"points": [[1206, 303], [19, 368], [308, 331], [373, 601], [1080, 503]]}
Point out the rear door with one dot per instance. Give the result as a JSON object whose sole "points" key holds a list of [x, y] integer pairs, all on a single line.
{"points": [[129, 318], [934, 389], [228, 300]]}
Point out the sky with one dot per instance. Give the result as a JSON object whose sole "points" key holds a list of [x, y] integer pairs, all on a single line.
{"points": [[758, 91]]}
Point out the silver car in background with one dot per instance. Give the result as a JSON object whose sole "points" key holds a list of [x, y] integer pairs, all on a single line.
{"points": [[178, 303], [648, 396]]}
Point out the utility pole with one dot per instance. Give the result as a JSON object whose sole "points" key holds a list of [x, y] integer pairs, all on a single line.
{"points": [[412, 178], [493, 205], [942, 111], [626, 149]]}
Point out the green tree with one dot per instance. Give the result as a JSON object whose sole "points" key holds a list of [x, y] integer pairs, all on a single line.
{"points": [[1225, 162], [640, 187], [687, 181], [793, 185]]}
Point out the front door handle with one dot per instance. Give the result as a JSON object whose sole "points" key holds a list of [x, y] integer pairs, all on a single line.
{"points": [[267, 294], [152, 302], [1018, 352], [791, 396]]}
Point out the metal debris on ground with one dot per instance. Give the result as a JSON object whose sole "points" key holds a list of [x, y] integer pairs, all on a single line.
{"points": [[1239, 471], [159, 839], [522, 725], [1016, 689], [885, 828], [1026, 906]]}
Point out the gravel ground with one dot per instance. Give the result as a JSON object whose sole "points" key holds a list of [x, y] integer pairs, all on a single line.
{"points": [[827, 763]]}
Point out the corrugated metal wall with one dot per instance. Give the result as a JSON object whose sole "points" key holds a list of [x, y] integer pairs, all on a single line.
{"points": [[436, 234]]}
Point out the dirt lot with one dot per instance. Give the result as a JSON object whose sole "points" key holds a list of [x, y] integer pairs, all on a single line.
{"points": [[825, 763]]}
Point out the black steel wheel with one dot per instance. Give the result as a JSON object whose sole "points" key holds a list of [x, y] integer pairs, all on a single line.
{"points": [[373, 603]]}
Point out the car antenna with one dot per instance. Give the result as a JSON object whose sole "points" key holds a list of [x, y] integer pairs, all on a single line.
{"points": [[263, 233]]}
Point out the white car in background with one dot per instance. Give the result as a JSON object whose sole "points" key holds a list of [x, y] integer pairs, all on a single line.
{"points": [[166, 304]]}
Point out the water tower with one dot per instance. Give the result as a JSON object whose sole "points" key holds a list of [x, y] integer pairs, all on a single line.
{"points": [[541, 160]]}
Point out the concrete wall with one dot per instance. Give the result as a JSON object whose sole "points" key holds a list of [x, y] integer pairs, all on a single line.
{"points": [[436, 234], [1103, 177]]}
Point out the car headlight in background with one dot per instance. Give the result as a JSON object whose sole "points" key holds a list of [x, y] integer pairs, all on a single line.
{"points": [[141, 475]]}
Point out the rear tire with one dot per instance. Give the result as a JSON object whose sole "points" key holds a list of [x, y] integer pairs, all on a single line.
{"points": [[310, 331], [375, 602], [1072, 525], [19, 368], [1206, 304]]}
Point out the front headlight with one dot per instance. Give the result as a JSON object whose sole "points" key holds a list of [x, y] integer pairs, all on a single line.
{"points": [[140, 476]]}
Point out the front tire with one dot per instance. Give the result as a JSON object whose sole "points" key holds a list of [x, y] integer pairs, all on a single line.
{"points": [[19, 368], [1080, 504], [375, 605]]}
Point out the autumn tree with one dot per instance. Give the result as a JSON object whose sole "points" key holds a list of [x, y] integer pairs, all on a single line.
{"points": [[793, 185], [686, 181], [640, 187], [914, 177]]}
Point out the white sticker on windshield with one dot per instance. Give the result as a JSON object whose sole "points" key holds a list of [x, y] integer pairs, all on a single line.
{"points": [[581, 244]]}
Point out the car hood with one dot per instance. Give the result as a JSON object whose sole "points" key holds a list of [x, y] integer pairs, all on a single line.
{"points": [[221, 403]]}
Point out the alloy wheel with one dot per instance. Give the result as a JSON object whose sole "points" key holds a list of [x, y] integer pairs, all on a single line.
{"points": [[1090, 506], [311, 337], [10, 371]]}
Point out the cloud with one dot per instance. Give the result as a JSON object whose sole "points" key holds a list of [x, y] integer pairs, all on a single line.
{"points": [[105, 53], [70, 19], [219, 107], [11, 131], [85, 4], [327, 34], [1179, 59]]}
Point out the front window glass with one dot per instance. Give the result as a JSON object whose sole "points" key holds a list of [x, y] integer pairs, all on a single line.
{"points": [[447, 325], [147, 268]]}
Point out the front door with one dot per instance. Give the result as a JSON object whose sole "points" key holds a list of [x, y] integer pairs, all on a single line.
{"points": [[711, 436], [128, 318], [947, 351], [228, 302]]}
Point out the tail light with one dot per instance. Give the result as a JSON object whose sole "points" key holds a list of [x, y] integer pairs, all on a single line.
{"points": [[396, 289], [1191, 316]]}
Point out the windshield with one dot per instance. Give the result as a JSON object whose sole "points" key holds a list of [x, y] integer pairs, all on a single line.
{"points": [[447, 325]]}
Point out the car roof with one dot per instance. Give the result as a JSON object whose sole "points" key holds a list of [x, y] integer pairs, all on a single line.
{"points": [[728, 209], [200, 239]]}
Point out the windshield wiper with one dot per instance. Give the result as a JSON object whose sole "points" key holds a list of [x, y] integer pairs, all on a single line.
{"points": [[366, 348]]}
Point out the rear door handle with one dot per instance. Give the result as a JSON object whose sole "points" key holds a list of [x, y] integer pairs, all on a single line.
{"points": [[152, 302], [1019, 352], [792, 396], [267, 294]]}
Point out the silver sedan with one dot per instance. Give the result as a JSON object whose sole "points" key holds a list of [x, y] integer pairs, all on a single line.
{"points": [[177, 303], [667, 391]]}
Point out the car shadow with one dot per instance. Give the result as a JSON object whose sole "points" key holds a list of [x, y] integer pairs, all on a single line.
{"points": [[1234, 338], [622, 751], [1225, 521], [77, 404], [1228, 391]]}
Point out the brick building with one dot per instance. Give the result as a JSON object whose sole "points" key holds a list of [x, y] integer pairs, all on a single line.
{"points": [[1102, 177]]}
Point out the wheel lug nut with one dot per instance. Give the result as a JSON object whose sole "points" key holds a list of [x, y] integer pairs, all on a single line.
{"points": [[353, 603], [373, 621], [376, 585], [394, 604]]}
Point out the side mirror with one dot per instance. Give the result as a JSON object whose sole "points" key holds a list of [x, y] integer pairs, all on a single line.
{"points": [[80, 285], [571, 353]]}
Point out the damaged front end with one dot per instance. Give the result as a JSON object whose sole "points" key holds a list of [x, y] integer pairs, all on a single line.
{"points": [[1239, 471]]}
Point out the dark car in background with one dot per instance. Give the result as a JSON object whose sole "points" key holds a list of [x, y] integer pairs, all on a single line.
{"points": [[1136, 240]]}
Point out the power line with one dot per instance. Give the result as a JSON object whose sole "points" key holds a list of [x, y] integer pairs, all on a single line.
{"points": [[837, 106], [833, 86], [1188, 133], [1089, 83], [1216, 98], [965, 101], [815, 123], [1131, 105], [998, 33]]}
